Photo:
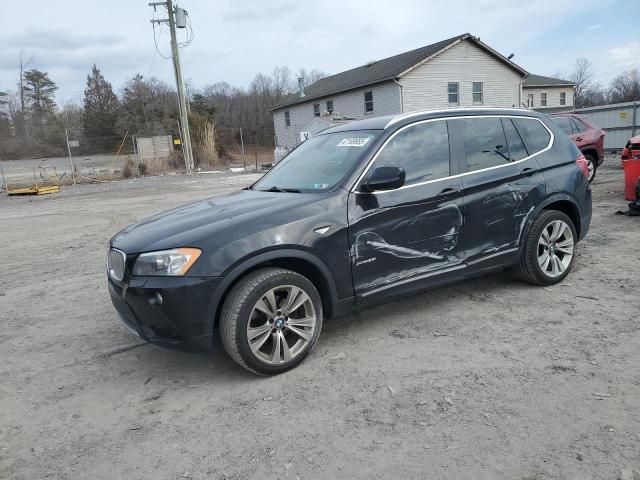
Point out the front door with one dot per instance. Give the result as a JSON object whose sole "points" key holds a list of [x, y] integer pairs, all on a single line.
{"points": [[409, 237], [501, 185]]}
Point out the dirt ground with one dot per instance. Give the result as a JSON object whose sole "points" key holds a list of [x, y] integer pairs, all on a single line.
{"points": [[487, 379]]}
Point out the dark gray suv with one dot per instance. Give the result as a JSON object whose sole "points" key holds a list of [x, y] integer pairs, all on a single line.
{"points": [[360, 213]]}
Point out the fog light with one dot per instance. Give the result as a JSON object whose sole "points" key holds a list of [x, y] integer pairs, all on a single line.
{"points": [[156, 299]]}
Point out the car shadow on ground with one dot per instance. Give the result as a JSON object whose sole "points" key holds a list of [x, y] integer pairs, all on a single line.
{"points": [[216, 366]]}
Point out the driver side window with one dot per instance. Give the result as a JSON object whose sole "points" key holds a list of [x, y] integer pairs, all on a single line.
{"points": [[422, 150]]}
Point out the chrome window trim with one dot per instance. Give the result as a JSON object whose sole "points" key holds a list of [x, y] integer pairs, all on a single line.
{"points": [[352, 188], [404, 116]]}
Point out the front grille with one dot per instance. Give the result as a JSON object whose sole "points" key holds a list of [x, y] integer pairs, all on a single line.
{"points": [[116, 262]]}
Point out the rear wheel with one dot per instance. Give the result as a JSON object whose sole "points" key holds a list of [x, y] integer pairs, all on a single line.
{"points": [[549, 249], [592, 165], [271, 320]]}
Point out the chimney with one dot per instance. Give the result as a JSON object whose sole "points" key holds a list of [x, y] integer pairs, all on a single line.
{"points": [[301, 86]]}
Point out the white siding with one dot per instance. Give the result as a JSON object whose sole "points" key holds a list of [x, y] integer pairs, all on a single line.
{"points": [[553, 96], [425, 87], [386, 101]]}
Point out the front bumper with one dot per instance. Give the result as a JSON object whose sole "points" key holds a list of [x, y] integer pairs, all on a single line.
{"points": [[175, 312]]}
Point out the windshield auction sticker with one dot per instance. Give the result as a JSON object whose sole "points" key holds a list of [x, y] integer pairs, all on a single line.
{"points": [[353, 142]]}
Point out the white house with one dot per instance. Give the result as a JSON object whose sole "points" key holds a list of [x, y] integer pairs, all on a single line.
{"points": [[459, 72], [548, 94]]}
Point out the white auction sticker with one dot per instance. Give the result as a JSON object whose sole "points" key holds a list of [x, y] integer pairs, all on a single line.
{"points": [[353, 142]]}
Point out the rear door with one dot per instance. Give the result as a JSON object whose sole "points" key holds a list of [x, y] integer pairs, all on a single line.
{"points": [[501, 184], [410, 237], [581, 135]]}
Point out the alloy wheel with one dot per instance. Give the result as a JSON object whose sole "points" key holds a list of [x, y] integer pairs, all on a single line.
{"points": [[282, 324], [591, 167], [555, 248]]}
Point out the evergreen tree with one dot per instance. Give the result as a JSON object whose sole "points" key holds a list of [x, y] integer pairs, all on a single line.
{"points": [[39, 90], [100, 112]]}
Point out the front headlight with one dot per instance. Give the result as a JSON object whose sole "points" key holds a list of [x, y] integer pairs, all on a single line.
{"points": [[176, 262]]}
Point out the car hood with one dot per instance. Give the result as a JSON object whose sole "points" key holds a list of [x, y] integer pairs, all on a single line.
{"points": [[219, 219]]}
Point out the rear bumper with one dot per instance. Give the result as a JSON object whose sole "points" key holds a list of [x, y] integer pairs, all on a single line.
{"points": [[175, 312]]}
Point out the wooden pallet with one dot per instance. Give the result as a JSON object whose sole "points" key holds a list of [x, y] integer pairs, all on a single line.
{"points": [[43, 190]]}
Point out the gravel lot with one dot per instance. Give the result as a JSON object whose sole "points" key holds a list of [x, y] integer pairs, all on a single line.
{"points": [[488, 379]]}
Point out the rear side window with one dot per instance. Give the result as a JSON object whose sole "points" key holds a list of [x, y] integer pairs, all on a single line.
{"points": [[483, 141], [565, 124], [517, 150], [422, 150], [536, 137], [579, 126]]}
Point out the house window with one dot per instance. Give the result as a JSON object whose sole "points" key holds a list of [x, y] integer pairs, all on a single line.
{"points": [[530, 100], [316, 109], [452, 91], [330, 107], [543, 99], [368, 102], [477, 92], [287, 119], [563, 98]]}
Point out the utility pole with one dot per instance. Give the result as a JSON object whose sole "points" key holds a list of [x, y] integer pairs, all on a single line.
{"points": [[182, 103]]}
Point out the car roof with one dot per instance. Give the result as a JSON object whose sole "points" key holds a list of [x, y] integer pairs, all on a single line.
{"points": [[395, 121]]}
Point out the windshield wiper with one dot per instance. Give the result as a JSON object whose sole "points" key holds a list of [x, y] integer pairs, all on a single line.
{"points": [[277, 189]]}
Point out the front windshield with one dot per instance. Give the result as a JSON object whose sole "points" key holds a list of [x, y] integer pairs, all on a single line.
{"points": [[320, 163]]}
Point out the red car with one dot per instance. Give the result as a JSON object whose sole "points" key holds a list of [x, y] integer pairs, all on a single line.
{"points": [[632, 149], [589, 138]]}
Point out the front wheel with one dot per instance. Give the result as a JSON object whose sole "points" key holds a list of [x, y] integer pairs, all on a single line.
{"points": [[549, 249], [271, 320]]}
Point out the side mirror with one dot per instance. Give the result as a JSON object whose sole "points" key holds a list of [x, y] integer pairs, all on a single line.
{"points": [[625, 154], [384, 178]]}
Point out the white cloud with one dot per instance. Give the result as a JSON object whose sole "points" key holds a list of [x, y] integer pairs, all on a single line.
{"points": [[593, 27], [611, 62], [626, 56]]}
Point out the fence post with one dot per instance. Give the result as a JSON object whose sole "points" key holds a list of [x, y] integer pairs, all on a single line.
{"points": [[135, 154], [73, 173], [4, 180], [244, 164]]}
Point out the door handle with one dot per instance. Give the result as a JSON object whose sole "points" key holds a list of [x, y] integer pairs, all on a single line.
{"points": [[445, 192], [528, 171]]}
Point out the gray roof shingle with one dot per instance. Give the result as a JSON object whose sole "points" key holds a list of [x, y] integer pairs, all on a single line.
{"points": [[379, 71], [541, 81]]}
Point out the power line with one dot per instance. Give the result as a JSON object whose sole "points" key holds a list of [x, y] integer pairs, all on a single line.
{"points": [[156, 39], [190, 33]]}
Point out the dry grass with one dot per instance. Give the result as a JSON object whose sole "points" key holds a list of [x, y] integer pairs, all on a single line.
{"points": [[264, 155]]}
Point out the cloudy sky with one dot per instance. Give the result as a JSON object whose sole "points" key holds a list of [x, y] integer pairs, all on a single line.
{"points": [[236, 39]]}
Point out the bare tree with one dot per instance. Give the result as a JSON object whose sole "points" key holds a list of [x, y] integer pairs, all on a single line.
{"points": [[582, 76], [24, 131], [283, 83], [625, 87], [311, 77]]}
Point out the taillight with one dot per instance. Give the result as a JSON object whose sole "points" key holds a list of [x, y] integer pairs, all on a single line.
{"points": [[582, 164]]}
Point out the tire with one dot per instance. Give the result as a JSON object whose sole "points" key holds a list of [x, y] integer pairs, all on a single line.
{"points": [[530, 268], [592, 163], [268, 340]]}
